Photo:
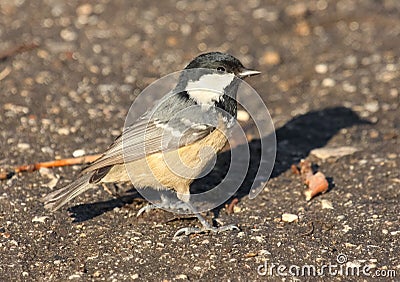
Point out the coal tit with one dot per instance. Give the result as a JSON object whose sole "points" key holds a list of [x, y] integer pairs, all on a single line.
{"points": [[196, 114]]}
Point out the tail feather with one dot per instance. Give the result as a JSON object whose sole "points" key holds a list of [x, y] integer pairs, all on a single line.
{"points": [[58, 198]]}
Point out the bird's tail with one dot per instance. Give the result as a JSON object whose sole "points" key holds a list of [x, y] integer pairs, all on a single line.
{"points": [[58, 198]]}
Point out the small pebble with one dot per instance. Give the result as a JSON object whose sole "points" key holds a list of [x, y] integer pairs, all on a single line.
{"points": [[23, 146], [349, 87], [373, 133], [171, 41], [250, 255], [186, 29], [68, 35], [242, 116], [362, 162], [289, 217], [47, 150], [349, 245], [328, 82], [296, 10], [350, 61], [325, 153], [43, 77], [321, 68], [237, 209], [78, 153], [303, 28], [15, 108], [270, 58], [84, 10], [346, 228], [241, 234], [394, 92], [259, 239], [372, 106], [63, 131], [41, 219], [265, 14], [387, 76], [326, 204]]}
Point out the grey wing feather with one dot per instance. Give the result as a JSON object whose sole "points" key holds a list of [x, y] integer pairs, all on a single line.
{"points": [[174, 122], [148, 135], [58, 198]]}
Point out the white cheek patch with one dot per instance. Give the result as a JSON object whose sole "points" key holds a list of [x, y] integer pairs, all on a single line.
{"points": [[205, 97], [209, 88]]}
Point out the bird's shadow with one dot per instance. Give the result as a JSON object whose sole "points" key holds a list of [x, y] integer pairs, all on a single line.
{"points": [[295, 140]]}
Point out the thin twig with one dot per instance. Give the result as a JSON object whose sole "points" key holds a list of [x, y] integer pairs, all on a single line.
{"points": [[17, 50], [53, 163]]}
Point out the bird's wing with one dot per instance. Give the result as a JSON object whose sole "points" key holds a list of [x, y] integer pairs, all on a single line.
{"points": [[157, 132], [140, 140]]}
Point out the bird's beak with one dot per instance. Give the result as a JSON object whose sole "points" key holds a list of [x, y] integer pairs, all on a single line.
{"points": [[246, 72]]}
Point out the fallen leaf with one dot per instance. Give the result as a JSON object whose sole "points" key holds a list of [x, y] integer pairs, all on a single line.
{"points": [[317, 184]]}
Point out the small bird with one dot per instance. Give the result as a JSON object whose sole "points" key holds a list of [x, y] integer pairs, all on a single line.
{"points": [[196, 114]]}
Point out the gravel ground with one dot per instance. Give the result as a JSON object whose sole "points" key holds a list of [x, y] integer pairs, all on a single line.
{"points": [[331, 72]]}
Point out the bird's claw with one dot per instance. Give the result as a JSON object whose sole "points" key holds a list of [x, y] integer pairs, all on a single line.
{"points": [[196, 230], [146, 209]]}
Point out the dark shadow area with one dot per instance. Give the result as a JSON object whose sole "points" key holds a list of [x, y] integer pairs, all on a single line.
{"points": [[295, 140], [310, 131], [85, 212]]}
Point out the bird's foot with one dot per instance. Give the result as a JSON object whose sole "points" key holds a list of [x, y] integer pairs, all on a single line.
{"points": [[114, 193], [146, 208], [165, 203], [196, 230]]}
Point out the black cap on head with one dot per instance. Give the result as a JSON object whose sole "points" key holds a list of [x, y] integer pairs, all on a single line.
{"points": [[221, 62]]}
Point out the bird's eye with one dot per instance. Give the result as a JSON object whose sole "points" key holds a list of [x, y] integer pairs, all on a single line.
{"points": [[221, 69]]}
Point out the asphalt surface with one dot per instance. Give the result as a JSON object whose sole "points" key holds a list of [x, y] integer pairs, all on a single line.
{"points": [[331, 73]]}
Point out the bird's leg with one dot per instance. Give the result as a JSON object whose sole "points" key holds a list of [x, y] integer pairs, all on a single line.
{"points": [[165, 203], [108, 190], [206, 227], [146, 208]]}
